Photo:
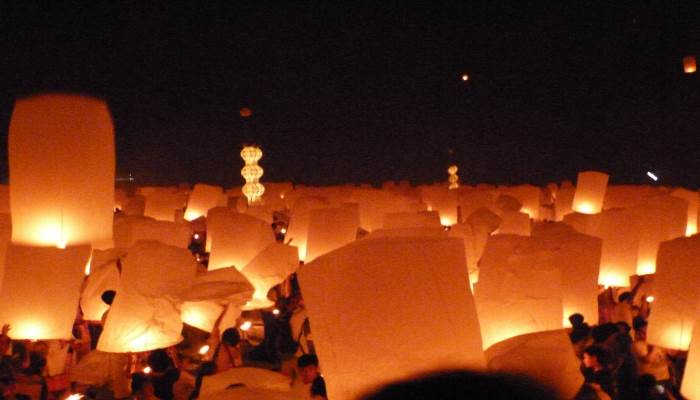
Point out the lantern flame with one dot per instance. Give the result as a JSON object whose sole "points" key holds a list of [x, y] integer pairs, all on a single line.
{"points": [[650, 299], [276, 312], [246, 326], [75, 396], [689, 65], [147, 370]]}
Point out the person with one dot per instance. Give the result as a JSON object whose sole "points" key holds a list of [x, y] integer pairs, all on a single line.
{"points": [[160, 380], [624, 309], [462, 384], [651, 359], [596, 363], [580, 334], [310, 375]]}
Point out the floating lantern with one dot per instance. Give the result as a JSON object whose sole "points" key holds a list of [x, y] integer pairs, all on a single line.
{"points": [[676, 298], [545, 357], [163, 202], [238, 240], [453, 179], [514, 223], [689, 65], [590, 192], [202, 198], [436, 331], [465, 77], [144, 315], [102, 278], [41, 289], [374, 204], [245, 112], [528, 195], [331, 228], [200, 314], [269, 268], [129, 230], [441, 199], [298, 229], [252, 172], [509, 269], [203, 350], [246, 325], [62, 160], [693, 205]]}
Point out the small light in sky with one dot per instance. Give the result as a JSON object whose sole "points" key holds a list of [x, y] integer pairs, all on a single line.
{"points": [[465, 77], [652, 176], [246, 325]]}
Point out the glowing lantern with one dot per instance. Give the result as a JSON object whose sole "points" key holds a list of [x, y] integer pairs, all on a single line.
{"points": [[374, 204], [578, 258], [269, 268], [689, 65], [239, 241], [298, 229], [465, 77], [590, 192], [545, 357], [200, 314], [659, 218], [691, 373], [245, 112], [202, 198], [162, 203], [102, 277], [41, 289], [331, 228], [676, 297], [144, 314], [514, 223], [61, 159], [364, 284], [528, 195], [453, 179], [474, 199], [442, 200], [129, 230], [217, 219], [509, 269], [252, 172], [564, 201], [693, 205]]}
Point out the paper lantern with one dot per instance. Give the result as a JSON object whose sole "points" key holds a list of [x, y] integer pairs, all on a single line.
{"points": [[659, 218], [546, 357], [261, 212], [61, 159], [406, 232], [102, 277], [41, 289], [626, 196], [439, 198], [423, 219], [519, 288], [298, 229], [453, 179], [676, 297], [269, 268], [514, 223], [252, 172], [691, 373], [564, 202], [578, 258], [364, 285], [217, 220], [134, 205], [689, 65], [162, 203], [245, 112], [129, 230], [202, 198], [474, 199], [373, 204], [529, 195], [481, 224], [693, 205], [331, 228], [144, 315], [590, 192], [201, 314], [238, 241]]}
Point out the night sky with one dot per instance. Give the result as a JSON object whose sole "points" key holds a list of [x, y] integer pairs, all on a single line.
{"points": [[348, 94]]}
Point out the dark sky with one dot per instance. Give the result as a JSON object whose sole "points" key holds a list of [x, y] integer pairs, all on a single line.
{"points": [[348, 94]]}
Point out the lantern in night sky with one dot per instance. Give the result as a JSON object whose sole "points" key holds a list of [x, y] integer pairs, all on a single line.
{"points": [[689, 65], [453, 179], [252, 172], [245, 112], [590, 192], [62, 161]]}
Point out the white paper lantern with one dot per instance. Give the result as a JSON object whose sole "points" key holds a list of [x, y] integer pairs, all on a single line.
{"points": [[202, 198], [144, 315], [163, 202], [364, 285], [331, 228], [131, 229], [40, 290], [102, 277], [269, 268], [693, 204], [298, 229], [590, 192], [61, 159], [238, 241]]}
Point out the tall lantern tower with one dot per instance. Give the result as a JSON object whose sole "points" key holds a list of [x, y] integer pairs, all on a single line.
{"points": [[252, 172]]}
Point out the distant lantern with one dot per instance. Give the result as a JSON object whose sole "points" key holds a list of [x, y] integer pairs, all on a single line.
{"points": [[252, 172], [590, 192], [62, 160], [689, 65], [453, 179], [245, 112], [465, 77]]}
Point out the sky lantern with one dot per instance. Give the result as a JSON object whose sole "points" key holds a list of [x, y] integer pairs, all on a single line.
{"points": [[62, 161], [363, 286], [689, 65], [519, 289], [162, 203], [564, 200], [245, 112], [237, 241], [693, 199], [691, 374], [252, 172], [41, 289], [545, 357], [202, 198], [269, 268], [528, 195], [443, 200], [331, 228], [130, 229], [590, 192], [298, 229], [103, 277], [676, 296], [144, 315], [471, 200], [373, 204]]}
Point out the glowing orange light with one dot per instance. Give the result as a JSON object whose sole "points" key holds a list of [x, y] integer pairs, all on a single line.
{"points": [[204, 349], [276, 312], [245, 112], [246, 326], [196, 236], [465, 77], [650, 299], [147, 370], [689, 65]]}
